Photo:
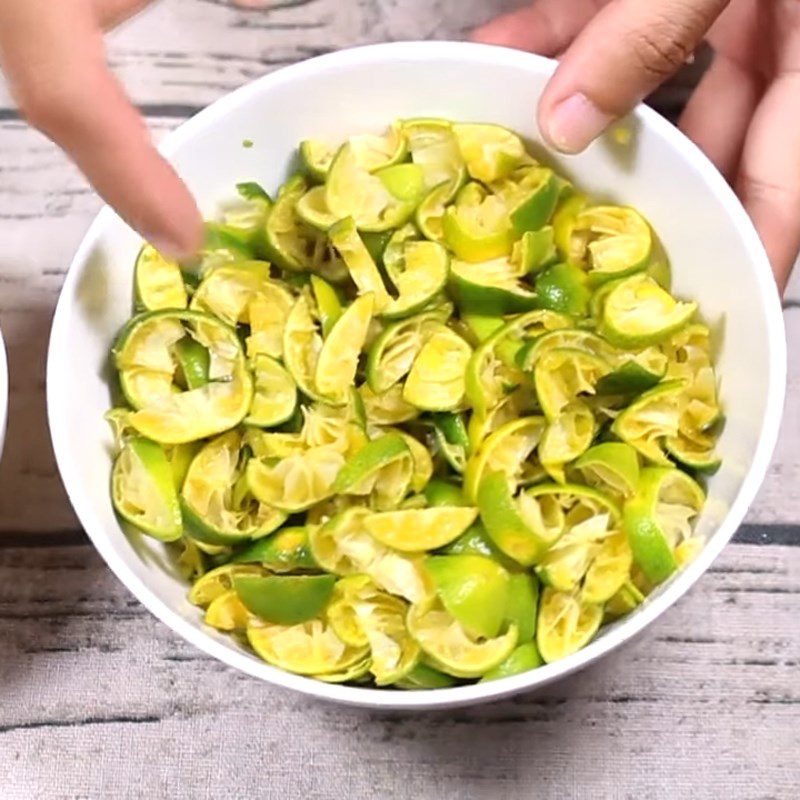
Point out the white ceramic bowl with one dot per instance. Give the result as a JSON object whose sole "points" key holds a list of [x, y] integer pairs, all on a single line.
{"points": [[716, 256], [3, 393]]}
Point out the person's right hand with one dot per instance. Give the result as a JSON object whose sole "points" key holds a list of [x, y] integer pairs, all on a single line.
{"points": [[745, 113], [53, 56]]}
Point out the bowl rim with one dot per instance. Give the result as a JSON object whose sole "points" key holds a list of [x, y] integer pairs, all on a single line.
{"points": [[4, 382], [474, 693]]}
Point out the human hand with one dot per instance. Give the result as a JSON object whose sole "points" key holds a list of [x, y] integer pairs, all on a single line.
{"points": [[54, 59], [745, 113]]}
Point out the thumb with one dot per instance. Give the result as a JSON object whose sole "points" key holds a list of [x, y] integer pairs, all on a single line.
{"points": [[625, 52]]}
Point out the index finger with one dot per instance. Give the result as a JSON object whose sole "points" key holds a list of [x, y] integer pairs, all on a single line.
{"points": [[54, 57]]}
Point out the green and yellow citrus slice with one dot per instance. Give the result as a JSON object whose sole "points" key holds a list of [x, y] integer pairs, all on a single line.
{"points": [[144, 355], [523, 658], [637, 312], [143, 490], [436, 381], [421, 277], [288, 240], [418, 530], [435, 149], [651, 419], [611, 467], [274, 394], [302, 345], [388, 407], [567, 437], [344, 547], [158, 282], [219, 581], [226, 291], [508, 450], [362, 268], [563, 288], [218, 508], [617, 239], [563, 374], [307, 648], [521, 527], [490, 288], [360, 473], [450, 649], [478, 228], [474, 589], [392, 354], [657, 518], [376, 201], [566, 624], [338, 359], [298, 481], [227, 613], [532, 197], [286, 550], [534, 251], [490, 152], [523, 604], [284, 599], [571, 245]]}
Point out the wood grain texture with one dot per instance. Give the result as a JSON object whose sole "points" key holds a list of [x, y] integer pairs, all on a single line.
{"points": [[175, 58], [103, 701]]}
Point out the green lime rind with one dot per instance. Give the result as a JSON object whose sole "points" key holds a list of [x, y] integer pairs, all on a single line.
{"points": [[286, 550], [284, 599], [525, 657], [143, 490], [372, 457]]}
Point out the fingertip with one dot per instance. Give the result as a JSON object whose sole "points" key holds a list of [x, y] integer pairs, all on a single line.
{"points": [[168, 214], [180, 235], [178, 244], [572, 124]]}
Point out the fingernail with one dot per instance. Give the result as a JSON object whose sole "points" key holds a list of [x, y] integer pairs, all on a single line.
{"points": [[170, 248], [574, 123]]}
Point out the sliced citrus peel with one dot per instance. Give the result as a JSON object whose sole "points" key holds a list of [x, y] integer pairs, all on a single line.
{"points": [[617, 241], [344, 546], [143, 490], [145, 358], [363, 615], [658, 518], [450, 649], [218, 507], [158, 282], [566, 624], [396, 394]]}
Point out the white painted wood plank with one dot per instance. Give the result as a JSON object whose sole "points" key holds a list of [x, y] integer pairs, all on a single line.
{"points": [[193, 51], [179, 55], [45, 208], [101, 700]]}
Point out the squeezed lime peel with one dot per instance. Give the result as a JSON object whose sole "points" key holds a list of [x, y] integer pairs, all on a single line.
{"points": [[443, 435]]}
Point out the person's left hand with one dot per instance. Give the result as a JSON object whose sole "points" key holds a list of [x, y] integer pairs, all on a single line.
{"points": [[53, 57]]}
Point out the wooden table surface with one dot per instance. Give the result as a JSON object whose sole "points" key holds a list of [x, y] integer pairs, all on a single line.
{"points": [[99, 700]]}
